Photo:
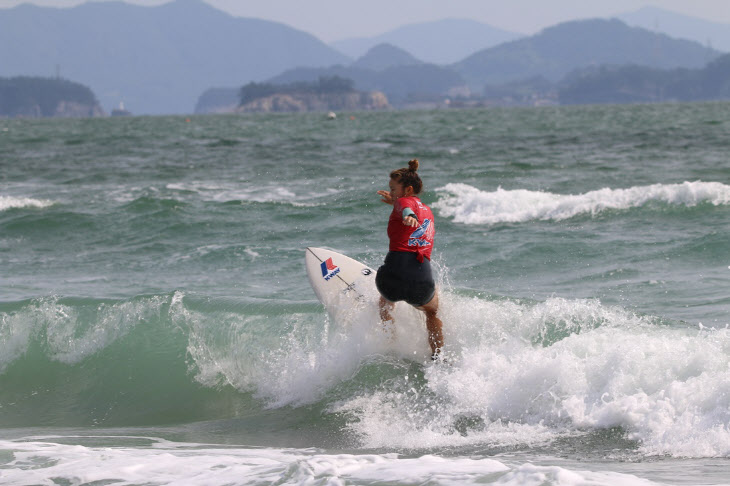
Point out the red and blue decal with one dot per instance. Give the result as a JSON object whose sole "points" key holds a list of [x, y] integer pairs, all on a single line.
{"points": [[422, 235], [329, 269]]}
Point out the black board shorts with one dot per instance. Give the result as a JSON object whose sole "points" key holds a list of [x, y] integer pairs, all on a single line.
{"points": [[403, 277]]}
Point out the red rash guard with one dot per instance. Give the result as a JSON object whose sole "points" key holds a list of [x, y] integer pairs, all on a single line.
{"points": [[407, 238]]}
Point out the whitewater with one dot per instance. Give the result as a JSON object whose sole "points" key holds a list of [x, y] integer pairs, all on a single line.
{"points": [[468, 205]]}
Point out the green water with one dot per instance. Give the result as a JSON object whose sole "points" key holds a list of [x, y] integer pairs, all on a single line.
{"points": [[153, 284]]}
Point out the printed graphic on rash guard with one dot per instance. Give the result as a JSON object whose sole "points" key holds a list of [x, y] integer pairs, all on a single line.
{"points": [[421, 236]]}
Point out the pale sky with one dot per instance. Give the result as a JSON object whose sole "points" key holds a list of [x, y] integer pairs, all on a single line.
{"points": [[332, 20]]}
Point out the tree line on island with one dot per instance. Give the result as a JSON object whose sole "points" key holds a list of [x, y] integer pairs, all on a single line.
{"points": [[327, 93], [323, 86], [640, 84], [35, 97]]}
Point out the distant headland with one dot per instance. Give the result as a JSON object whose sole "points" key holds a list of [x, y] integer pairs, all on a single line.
{"points": [[37, 97]]}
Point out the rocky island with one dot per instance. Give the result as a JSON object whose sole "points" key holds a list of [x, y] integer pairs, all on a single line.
{"points": [[304, 102], [37, 97], [327, 94]]}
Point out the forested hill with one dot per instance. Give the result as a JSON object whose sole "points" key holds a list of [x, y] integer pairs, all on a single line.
{"points": [[36, 97], [640, 84]]}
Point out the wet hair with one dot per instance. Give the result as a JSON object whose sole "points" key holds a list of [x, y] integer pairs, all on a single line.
{"points": [[408, 176]]}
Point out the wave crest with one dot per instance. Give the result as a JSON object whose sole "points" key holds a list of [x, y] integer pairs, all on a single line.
{"points": [[10, 202], [469, 205]]}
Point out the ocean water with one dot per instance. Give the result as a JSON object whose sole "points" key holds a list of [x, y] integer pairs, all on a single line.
{"points": [[157, 325]]}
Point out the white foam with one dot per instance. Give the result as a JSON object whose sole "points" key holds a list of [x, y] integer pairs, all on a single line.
{"points": [[469, 205], [39, 461], [10, 202], [521, 373], [530, 373]]}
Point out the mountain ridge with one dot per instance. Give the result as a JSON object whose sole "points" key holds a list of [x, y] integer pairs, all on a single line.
{"points": [[706, 32], [437, 42], [559, 49], [155, 59], [383, 56]]}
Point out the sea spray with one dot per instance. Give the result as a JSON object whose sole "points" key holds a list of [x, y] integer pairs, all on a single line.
{"points": [[297, 358]]}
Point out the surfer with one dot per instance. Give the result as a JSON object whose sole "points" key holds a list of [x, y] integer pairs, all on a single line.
{"points": [[406, 273]]}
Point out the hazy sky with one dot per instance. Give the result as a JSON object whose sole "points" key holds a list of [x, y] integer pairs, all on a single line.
{"points": [[337, 19]]}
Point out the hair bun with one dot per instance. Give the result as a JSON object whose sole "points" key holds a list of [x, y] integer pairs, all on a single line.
{"points": [[413, 165]]}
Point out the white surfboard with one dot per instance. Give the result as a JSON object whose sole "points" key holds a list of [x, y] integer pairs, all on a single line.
{"points": [[339, 282], [346, 288]]}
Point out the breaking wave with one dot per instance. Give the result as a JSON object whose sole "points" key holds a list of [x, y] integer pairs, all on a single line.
{"points": [[520, 374], [469, 205], [10, 202]]}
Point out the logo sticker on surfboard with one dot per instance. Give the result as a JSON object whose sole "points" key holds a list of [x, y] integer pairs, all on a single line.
{"points": [[329, 269]]}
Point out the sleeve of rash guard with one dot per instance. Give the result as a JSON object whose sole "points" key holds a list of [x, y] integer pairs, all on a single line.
{"points": [[409, 212]]}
